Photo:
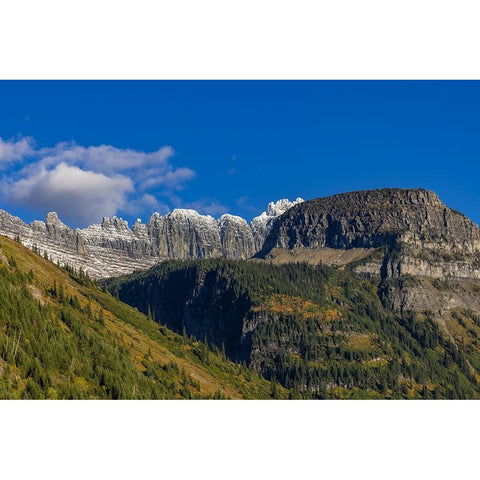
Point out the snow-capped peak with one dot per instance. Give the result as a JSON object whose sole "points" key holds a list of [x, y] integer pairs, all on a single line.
{"points": [[262, 224], [188, 214], [275, 209]]}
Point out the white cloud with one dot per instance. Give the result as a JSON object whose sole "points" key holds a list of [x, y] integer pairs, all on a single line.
{"points": [[105, 158], [172, 179], [150, 201], [84, 184], [11, 150], [76, 195]]}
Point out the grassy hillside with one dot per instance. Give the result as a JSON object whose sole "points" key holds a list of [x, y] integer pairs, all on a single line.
{"points": [[319, 331], [62, 337]]}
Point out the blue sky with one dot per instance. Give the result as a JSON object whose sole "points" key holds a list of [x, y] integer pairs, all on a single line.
{"points": [[89, 149]]}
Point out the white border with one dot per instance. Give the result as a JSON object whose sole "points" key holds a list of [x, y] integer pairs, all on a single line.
{"points": [[239, 439], [242, 40], [191, 39]]}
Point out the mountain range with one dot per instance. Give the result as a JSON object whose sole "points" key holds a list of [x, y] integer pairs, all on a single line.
{"points": [[112, 248], [368, 294]]}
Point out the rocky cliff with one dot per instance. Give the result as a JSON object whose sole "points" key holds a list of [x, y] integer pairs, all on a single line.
{"points": [[406, 232], [112, 248]]}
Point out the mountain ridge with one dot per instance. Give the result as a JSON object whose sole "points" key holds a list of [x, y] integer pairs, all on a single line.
{"points": [[384, 232], [112, 247]]}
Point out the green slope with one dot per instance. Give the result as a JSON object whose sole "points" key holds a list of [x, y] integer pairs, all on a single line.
{"points": [[321, 332], [62, 337]]}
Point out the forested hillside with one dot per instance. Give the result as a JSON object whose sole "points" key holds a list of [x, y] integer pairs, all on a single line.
{"points": [[244, 329], [319, 331], [61, 337]]}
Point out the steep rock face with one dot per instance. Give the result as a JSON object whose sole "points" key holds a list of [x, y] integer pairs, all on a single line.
{"points": [[416, 232], [185, 234], [236, 237], [63, 235], [14, 225], [114, 234]]}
